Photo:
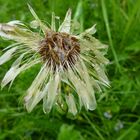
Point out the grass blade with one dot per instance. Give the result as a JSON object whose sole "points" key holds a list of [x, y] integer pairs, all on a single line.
{"points": [[128, 131], [105, 16]]}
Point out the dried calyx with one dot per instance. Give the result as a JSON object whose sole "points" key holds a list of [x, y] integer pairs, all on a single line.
{"points": [[59, 50]]}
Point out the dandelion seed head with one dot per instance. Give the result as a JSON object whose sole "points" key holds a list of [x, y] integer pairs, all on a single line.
{"points": [[72, 65]]}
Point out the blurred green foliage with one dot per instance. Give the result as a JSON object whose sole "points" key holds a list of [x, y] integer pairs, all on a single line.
{"points": [[117, 116]]}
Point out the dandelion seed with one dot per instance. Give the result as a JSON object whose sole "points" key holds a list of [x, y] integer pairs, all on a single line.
{"points": [[75, 61]]}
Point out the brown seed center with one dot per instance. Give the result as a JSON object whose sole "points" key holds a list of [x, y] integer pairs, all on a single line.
{"points": [[59, 49]]}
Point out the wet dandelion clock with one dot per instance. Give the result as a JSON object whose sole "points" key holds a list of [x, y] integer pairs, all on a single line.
{"points": [[72, 65]]}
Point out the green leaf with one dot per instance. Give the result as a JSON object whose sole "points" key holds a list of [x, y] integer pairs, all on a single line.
{"points": [[68, 132]]}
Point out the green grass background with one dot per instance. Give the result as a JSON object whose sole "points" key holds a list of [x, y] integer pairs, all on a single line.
{"points": [[118, 24]]}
